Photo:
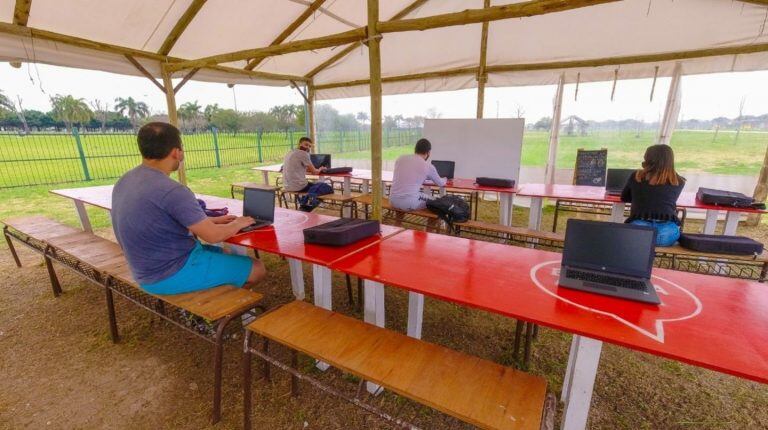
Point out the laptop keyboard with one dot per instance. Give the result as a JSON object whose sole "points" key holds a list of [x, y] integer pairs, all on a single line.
{"points": [[605, 279]]}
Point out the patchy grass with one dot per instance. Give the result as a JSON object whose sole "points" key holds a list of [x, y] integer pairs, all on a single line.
{"points": [[61, 371]]}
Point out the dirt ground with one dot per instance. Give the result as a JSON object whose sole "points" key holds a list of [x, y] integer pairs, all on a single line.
{"points": [[59, 369]]}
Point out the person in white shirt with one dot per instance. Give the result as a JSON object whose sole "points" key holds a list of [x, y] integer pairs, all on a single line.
{"points": [[296, 165], [410, 173]]}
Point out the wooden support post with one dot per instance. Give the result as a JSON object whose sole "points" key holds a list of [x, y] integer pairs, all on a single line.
{"points": [[554, 133], [761, 190], [672, 109], [173, 117], [482, 76], [311, 113], [374, 60]]}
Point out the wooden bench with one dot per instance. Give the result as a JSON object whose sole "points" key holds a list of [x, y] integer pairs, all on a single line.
{"points": [[477, 391], [509, 235], [239, 187], [597, 208], [753, 267], [419, 218], [35, 232], [327, 201], [102, 262]]}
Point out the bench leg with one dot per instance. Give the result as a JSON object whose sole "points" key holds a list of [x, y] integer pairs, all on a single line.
{"points": [[218, 355], [763, 272], [518, 333], [294, 379], [55, 285], [528, 339], [350, 299], [360, 292], [11, 247], [265, 350], [113, 334], [247, 380]]}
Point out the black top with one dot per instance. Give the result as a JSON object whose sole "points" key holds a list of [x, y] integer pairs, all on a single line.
{"points": [[652, 202]]}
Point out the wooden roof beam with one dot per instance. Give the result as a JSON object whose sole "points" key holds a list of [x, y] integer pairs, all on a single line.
{"points": [[21, 12], [285, 48], [180, 26], [186, 78], [757, 2], [495, 13], [33, 33], [346, 51], [288, 30], [144, 72], [613, 61]]}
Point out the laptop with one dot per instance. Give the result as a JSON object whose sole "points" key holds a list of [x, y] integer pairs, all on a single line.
{"points": [[609, 258], [444, 168], [321, 160], [259, 204], [616, 180]]}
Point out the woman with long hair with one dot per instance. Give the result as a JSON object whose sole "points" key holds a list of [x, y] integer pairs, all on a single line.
{"points": [[653, 191]]}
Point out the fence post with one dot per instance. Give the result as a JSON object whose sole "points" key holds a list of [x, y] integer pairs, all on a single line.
{"points": [[359, 141], [290, 136], [215, 132], [258, 143], [341, 141], [76, 135]]}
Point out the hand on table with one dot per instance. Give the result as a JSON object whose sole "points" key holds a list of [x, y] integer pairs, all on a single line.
{"points": [[224, 219], [243, 221]]}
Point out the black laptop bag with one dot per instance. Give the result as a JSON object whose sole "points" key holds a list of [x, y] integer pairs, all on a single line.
{"points": [[341, 232], [337, 170], [711, 196], [717, 244], [495, 182], [451, 209]]}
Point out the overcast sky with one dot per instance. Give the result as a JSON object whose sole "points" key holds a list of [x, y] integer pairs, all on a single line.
{"points": [[704, 97]]}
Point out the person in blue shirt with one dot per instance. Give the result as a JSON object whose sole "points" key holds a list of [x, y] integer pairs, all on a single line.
{"points": [[155, 217]]}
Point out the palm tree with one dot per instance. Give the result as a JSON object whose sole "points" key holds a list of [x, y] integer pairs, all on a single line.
{"points": [[210, 111], [132, 108], [70, 110], [189, 111]]}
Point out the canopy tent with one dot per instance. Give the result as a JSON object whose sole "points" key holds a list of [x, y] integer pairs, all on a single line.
{"points": [[347, 48]]}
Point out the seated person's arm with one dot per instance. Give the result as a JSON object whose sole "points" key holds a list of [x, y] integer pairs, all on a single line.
{"points": [[182, 205], [433, 176], [314, 171], [626, 193], [213, 232]]}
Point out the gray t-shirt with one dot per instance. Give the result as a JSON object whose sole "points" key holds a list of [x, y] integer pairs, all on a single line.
{"points": [[151, 215], [295, 170]]}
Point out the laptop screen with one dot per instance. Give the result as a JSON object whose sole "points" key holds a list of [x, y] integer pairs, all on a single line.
{"points": [[259, 204], [444, 168], [321, 160], [609, 247], [617, 178]]}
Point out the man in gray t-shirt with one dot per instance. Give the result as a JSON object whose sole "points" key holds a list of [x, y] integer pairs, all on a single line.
{"points": [[296, 165], [154, 218]]}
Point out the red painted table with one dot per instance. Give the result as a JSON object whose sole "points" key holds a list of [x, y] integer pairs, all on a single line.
{"points": [[687, 200], [693, 325]]}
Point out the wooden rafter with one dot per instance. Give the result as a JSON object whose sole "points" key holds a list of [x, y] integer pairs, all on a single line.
{"points": [[21, 31], [495, 13], [186, 78], [288, 30], [180, 26], [344, 52], [285, 48], [613, 61], [757, 2], [144, 72], [304, 95], [21, 12]]}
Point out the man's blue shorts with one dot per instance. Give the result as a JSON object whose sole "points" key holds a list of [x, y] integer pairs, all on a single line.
{"points": [[206, 267]]}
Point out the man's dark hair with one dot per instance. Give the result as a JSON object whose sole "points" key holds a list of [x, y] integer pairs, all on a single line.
{"points": [[423, 147], [157, 140], [304, 139]]}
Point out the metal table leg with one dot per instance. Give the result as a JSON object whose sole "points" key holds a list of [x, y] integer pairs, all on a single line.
{"points": [[505, 208], [322, 278], [711, 221], [731, 223], [534, 215], [83, 215], [373, 313], [415, 314], [617, 212]]}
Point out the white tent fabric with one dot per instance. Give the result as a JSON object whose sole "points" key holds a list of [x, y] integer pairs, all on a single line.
{"points": [[620, 29]]}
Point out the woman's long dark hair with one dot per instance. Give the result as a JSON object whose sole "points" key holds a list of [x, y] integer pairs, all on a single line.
{"points": [[659, 166]]}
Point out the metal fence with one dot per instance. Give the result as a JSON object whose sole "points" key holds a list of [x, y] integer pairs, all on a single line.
{"points": [[54, 158]]}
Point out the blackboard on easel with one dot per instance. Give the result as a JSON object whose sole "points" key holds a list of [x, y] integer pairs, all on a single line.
{"points": [[590, 167]]}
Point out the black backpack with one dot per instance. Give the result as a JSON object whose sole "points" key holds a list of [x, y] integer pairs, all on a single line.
{"points": [[451, 209]]}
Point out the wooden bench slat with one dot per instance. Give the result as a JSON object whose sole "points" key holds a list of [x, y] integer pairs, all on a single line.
{"points": [[521, 231], [367, 199], [39, 227], [478, 391]]}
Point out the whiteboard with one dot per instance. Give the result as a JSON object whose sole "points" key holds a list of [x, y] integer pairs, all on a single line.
{"points": [[479, 147]]}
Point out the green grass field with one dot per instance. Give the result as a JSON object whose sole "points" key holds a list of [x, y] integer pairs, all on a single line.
{"points": [[695, 151], [55, 158]]}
